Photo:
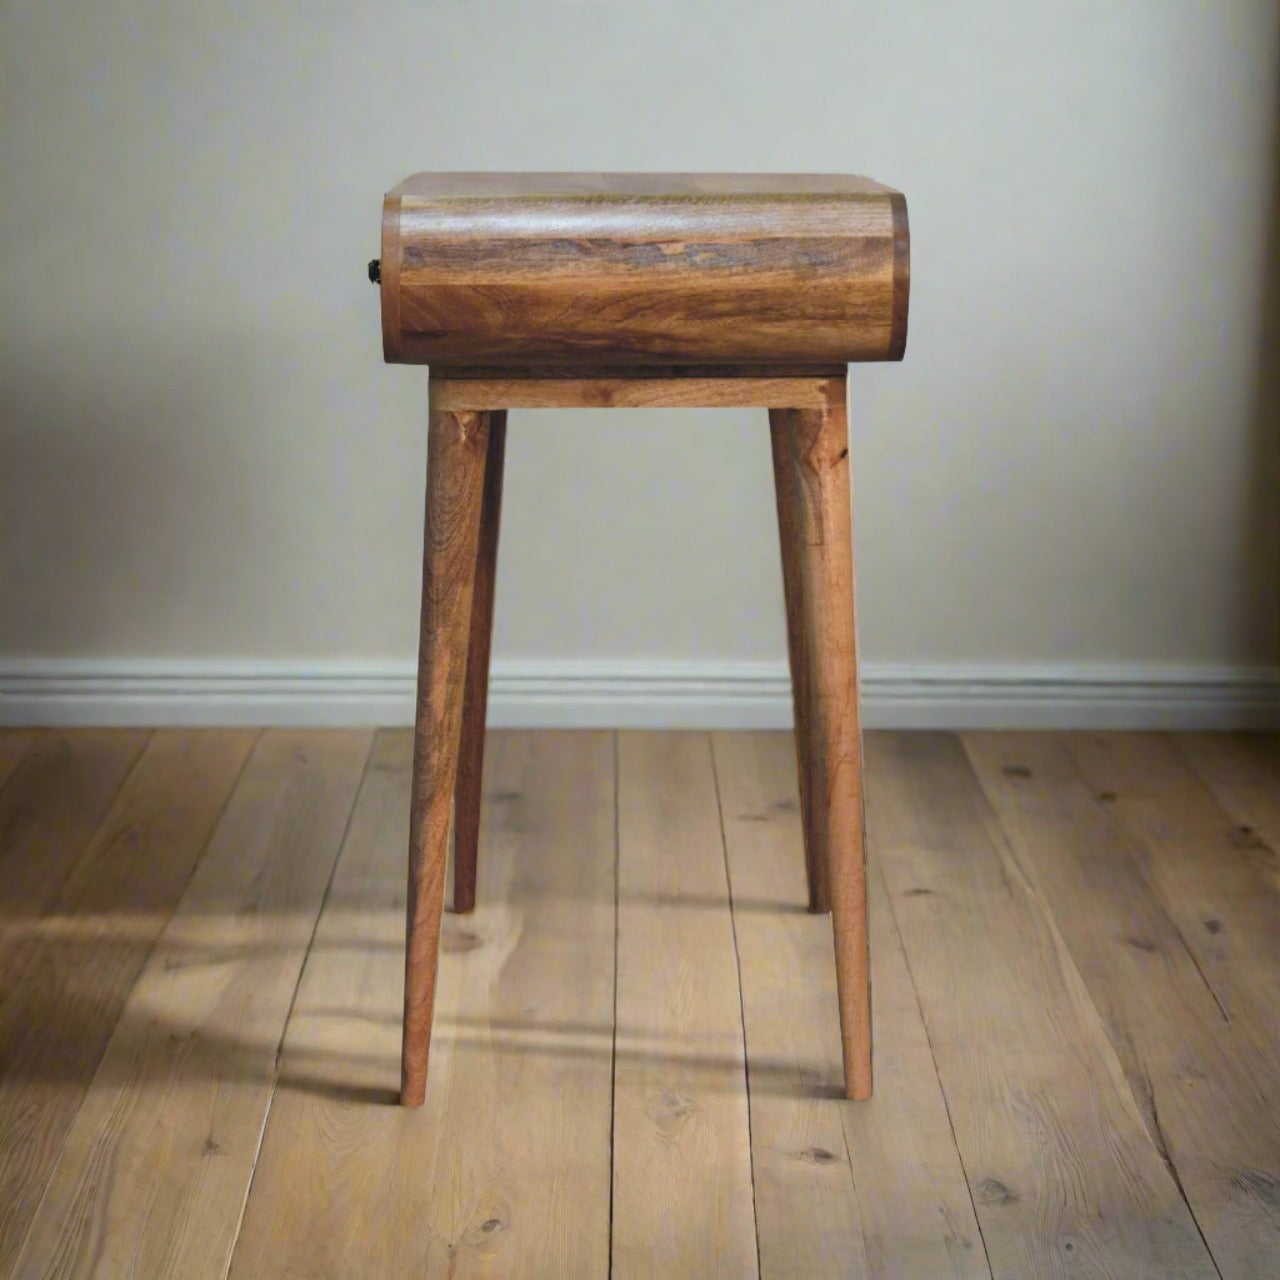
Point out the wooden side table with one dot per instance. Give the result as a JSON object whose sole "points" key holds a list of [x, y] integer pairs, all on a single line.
{"points": [[572, 290]]}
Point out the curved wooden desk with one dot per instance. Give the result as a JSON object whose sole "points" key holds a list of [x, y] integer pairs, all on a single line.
{"points": [[575, 290]]}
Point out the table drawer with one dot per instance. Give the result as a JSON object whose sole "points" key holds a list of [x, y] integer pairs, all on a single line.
{"points": [[616, 270]]}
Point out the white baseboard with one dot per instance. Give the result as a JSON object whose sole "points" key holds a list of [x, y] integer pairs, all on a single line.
{"points": [[635, 694]]}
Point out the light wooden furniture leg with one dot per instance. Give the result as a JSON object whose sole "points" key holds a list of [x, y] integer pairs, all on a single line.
{"points": [[457, 446], [475, 698], [814, 509], [781, 431]]}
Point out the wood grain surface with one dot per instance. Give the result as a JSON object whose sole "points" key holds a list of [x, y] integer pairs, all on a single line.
{"points": [[1065, 1178], [475, 697], [1242, 770], [621, 186], [682, 1190], [152, 1176], [14, 745], [641, 268], [1224, 905], [505, 1169], [787, 501], [80, 960], [701, 391], [840, 1189], [1195, 1072], [49, 810], [457, 448], [1075, 1058], [811, 471]]}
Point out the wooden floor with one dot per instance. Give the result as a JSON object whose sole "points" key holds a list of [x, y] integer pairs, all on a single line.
{"points": [[636, 1066]]}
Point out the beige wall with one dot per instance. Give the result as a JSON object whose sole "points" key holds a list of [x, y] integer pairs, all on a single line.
{"points": [[201, 454]]}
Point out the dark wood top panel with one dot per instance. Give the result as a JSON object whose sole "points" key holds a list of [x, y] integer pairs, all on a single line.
{"points": [[624, 186]]}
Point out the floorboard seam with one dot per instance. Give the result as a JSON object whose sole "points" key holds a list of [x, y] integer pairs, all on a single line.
{"points": [[613, 1048], [1130, 841], [742, 1002], [127, 777], [1261, 850], [1135, 840], [1128, 845], [293, 1000], [213, 829], [1162, 1147], [21, 762], [933, 1057], [1204, 977], [15, 979]]}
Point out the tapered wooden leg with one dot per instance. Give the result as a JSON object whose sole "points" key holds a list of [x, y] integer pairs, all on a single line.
{"points": [[784, 483], [456, 450], [819, 542], [475, 698]]}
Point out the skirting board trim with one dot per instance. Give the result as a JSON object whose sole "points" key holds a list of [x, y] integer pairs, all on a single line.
{"points": [[636, 694]]}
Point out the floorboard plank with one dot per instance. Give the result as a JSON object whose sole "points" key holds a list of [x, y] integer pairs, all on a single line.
{"points": [[154, 1171], [1208, 1096], [505, 1170], [1189, 848], [1074, 955], [14, 746], [49, 809], [682, 1200], [842, 1188], [1065, 1178], [78, 963], [1243, 772]]}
